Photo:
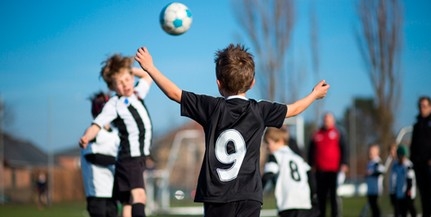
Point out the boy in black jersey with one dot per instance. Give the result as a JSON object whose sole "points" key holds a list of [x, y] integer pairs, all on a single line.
{"points": [[229, 182]]}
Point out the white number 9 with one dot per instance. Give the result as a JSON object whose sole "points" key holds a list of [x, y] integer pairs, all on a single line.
{"points": [[236, 158]]}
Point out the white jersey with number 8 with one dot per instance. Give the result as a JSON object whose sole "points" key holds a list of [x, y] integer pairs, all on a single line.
{"points": [[292, 190]]}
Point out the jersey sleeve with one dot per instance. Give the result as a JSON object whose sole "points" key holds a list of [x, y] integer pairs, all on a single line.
{"points": [[108, 114], [270, 170], [271, 166], [142, 88], [197, 107], [273, 113]]}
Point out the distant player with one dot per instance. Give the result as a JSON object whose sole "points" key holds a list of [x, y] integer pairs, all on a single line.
{"points": [[374, 178], [128, 113], [294, 188], [97, 165], [229, 182], [405, 184]]}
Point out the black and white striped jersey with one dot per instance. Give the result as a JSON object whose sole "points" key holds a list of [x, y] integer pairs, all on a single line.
{"points": [[233, 133], [130, 116]]}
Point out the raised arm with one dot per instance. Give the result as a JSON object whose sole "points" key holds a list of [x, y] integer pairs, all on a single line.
{"points": [[319, 91], [140, 73], [169, 88]]}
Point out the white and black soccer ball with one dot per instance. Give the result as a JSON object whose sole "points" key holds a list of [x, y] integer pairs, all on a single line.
{"points": [[175, 18]]}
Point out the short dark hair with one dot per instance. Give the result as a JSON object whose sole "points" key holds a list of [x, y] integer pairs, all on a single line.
{"points": [[98, 100], [234, 68], [422, 98]]}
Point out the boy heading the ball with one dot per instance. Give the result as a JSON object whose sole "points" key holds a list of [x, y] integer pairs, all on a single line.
{"points": [[127, 111], [229, 182]]}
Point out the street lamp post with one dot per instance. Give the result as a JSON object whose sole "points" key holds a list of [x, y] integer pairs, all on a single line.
{"points": [[2, 183]]}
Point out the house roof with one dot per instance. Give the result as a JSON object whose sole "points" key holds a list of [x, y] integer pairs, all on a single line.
{"points": [[72, 151], [20, 153]]}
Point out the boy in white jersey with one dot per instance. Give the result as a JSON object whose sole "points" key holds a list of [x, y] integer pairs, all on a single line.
{"points": [[97, 165], [128, 113], [229, 182], [294, 188]]}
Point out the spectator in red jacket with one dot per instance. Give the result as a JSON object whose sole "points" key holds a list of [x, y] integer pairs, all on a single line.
{"points": [[327, 155]]}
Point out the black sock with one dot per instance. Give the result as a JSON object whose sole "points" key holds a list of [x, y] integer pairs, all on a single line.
{"points": [[138, 210]]}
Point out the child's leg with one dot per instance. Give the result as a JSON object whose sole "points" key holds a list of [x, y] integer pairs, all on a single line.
{"points": [[111, 208], [96, 206], [138, 204], [411, 207], [372, 201], [127, 210], [402, 207]]}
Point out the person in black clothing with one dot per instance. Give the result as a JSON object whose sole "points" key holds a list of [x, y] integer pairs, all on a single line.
{"points": [[420, 150], [42, 190]]}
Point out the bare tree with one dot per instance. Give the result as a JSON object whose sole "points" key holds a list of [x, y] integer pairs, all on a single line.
{"points": [[268, 25], [380, 40], [6, 114], [314, 46]]}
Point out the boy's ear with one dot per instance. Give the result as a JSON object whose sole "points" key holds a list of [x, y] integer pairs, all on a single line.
{"points": [[220, 89], [218, 84], [252, 83]]}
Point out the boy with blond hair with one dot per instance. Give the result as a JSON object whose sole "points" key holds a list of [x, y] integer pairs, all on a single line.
{"points": [[374, 178], [128, 113]]}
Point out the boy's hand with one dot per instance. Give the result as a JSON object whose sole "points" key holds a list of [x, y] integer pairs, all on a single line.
{"points": [[83, 142], [409, 194], [321, 89], [144, 58]]}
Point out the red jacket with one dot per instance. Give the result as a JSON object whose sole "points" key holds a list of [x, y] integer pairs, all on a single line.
{"points": [[327, 150]]}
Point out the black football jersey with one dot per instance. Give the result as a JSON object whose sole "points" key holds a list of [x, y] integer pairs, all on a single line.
{"points": [[233, 133]]}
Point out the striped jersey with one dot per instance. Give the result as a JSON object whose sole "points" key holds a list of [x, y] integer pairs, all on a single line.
{"points": [[233, 129], [99, 179], [130, 116], [292, 189]]}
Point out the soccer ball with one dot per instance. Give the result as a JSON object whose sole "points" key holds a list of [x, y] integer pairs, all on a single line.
{"points": [[175, 18]]}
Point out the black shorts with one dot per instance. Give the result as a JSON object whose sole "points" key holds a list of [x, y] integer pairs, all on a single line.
{"points": [[243, 208], [129, 174], [299, 213], [97, 207]]}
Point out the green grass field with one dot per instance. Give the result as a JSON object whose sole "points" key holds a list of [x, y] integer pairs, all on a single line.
{"points": [[352, 207]]}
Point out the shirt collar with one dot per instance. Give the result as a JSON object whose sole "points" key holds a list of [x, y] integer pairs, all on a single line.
{"points": [[236, 97]]}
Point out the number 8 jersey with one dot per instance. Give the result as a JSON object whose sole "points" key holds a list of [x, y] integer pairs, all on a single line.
{"points": [[233, 129], [292, 190]]}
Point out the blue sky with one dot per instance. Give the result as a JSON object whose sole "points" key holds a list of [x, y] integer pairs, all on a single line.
{"points": [[51, 53]]}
